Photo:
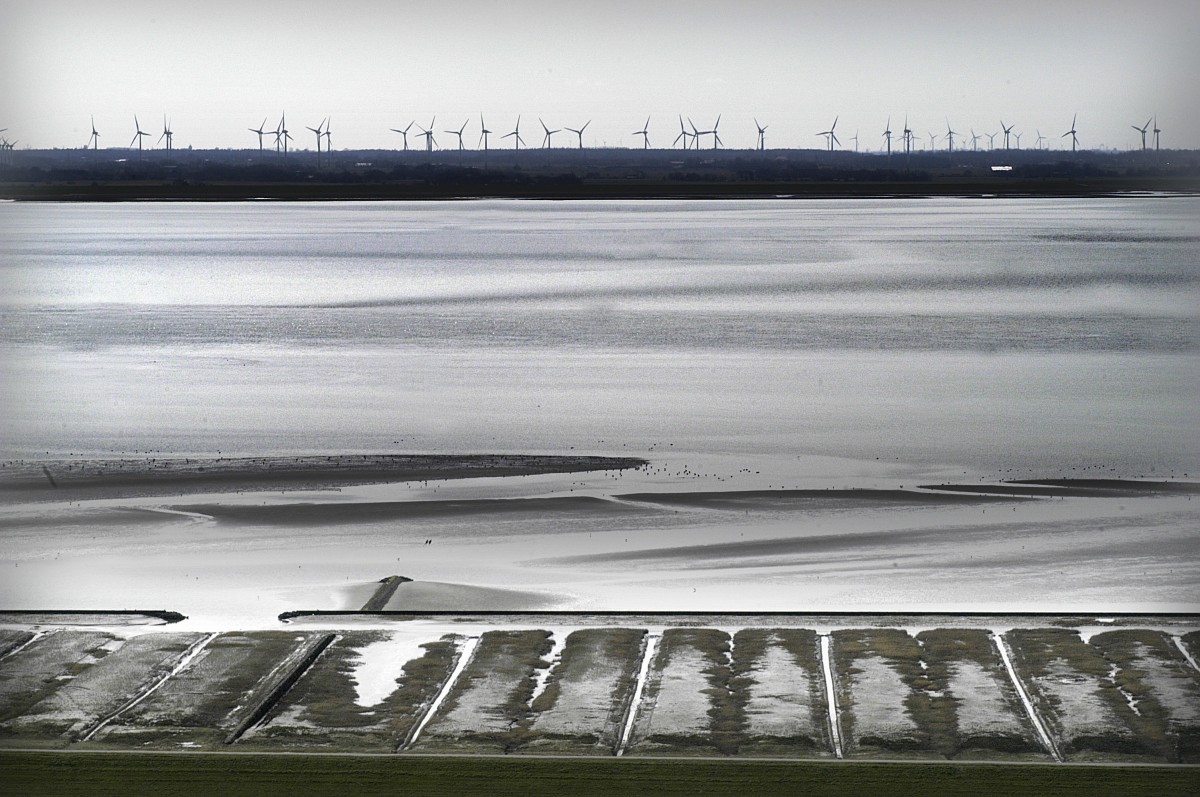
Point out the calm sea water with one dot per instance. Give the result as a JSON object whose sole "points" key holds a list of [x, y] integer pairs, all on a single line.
{"points": [[986, 335]]}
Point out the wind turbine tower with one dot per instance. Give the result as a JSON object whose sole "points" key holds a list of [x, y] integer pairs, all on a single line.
{"points": [[139, 135], [1072, 133], [166, 134], [644, 133], [459, 133], [1142, 130], [716, 136], [1007, 131], [428, 133], [259, 130], [546, 142], [1156, 132], [404, 133], [94, 141], [683, 134], [887, 135], [483, 133], [282, 134], [317, 131], [762, 135], [830, 136], [515, 135], [579, 132], [950, 134]]}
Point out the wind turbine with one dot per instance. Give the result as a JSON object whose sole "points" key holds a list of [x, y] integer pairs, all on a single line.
{"points": [[138, 136], [328, 136], [546, 143], [683, 134], [1040, 139], [579, 132], [317, 131], [1007, 130], [908, 137], [950, 134], [696, 133], [1156, 132], [166, 133], [831, 136], [281, 133], [933, 137], [515, 135], [429, 140], [974, 140], [991, 137], [259, 130], [1072, 133], [1141, 130], [483, 133], [716, 136], [459, 133], [762, 135], [644, 133], [887, 134], [404, 133], [1018, 137], [854, 138], [94, 141]]}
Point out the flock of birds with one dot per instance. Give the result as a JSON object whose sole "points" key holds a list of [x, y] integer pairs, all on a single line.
{"points": [[690, 136]]}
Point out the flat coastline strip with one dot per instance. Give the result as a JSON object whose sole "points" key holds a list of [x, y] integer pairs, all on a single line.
{"points": [[1042, 731]]}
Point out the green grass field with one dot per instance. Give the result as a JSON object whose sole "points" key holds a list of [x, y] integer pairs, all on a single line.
{"points": [[176, 774]]}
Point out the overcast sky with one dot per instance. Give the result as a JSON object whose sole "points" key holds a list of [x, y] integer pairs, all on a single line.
{"points": [[217, 68]]}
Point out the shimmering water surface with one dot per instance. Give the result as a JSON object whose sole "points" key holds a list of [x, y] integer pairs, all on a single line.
{"points": [[987, 334]]}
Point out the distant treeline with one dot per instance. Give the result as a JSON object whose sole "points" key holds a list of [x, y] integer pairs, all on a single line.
{"points": [[229, 174]]}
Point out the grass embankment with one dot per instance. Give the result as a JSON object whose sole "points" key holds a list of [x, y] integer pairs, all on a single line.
{"points": [[690, 706], [214, 696], [1073, 689], [488, 707], [929, 668], [321, 712], [571, 716], [776, 689], [1163, 686], [179, 774], [40, 670]]}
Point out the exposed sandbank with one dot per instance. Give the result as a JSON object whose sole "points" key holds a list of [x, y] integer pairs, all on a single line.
{"points": [[145, 476], [1076, 488], [852, 498], [313, 514]]}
